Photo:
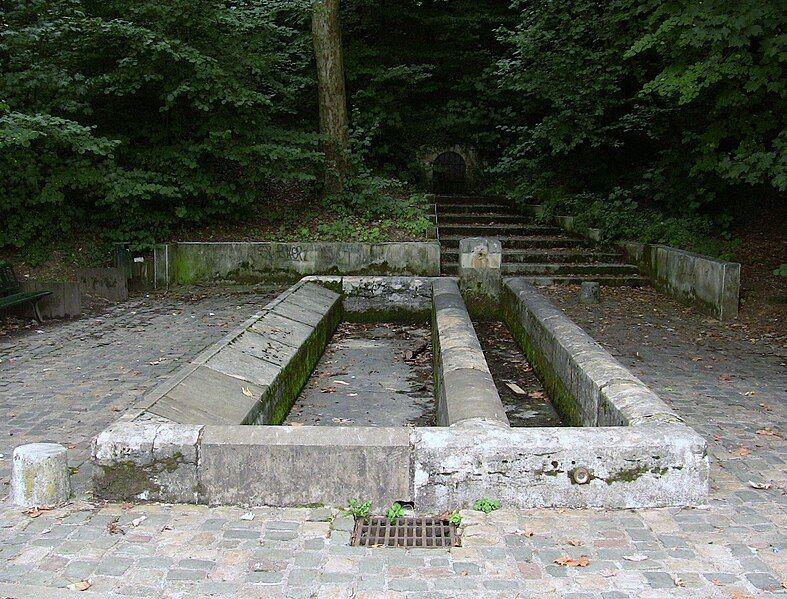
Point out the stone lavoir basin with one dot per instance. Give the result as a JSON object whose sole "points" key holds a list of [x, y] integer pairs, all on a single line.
{"points": [[267, 416]]}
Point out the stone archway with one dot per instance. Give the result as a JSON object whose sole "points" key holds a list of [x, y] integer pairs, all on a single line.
{"points": [[449, 173], [428, 156]]}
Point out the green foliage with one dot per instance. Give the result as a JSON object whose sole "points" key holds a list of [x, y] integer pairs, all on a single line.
{"points": [[417, 72], [455, 518], [134, 116], [358, 509], [619, 216], [657, 116], [395, 511], [781, 271], [486, 505]]}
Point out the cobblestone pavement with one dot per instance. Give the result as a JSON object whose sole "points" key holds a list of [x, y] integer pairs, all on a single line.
{"points": [[725, 384]]}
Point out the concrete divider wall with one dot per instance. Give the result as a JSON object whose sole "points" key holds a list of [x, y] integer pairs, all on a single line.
{"points": [[65, 300], [375, 299], [110, 284], [204, 262], [464, 387], [592, 388]]}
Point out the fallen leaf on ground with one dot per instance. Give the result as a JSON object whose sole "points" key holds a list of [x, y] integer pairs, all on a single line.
{"points": [[71, 446], [35, 512], [574, 542], [741, 596], [765, 407], [126, 506], [677, 580], [82, 585], [741, 451], [516, 388], [537, 394], [725, 378], [766, 432], [763, 486], [637, 557], [580, 562], [247, 392], [296, 424], [328, 389], [247, 516]]}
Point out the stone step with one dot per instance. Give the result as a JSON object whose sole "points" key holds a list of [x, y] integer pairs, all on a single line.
{"points": [[580, 255], [465, 199], [526, 269], [477, 218], [452, 268], [497, 231], [609, 280], [482, 208], [557, 268], [524, 241]]}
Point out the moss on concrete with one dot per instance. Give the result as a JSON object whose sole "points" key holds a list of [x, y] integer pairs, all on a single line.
{"points": [[405, 315], [566, 405]]}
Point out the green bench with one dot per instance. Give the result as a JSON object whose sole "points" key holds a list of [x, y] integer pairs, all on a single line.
{"points": [[11, 293]]}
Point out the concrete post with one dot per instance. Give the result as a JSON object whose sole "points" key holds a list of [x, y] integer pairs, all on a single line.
{"points": [[479, 267], [590, 292], [40, 475]]}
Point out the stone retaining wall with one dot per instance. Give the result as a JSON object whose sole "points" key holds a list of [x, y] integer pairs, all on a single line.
{"points": [[250, 262], [710, 285]]}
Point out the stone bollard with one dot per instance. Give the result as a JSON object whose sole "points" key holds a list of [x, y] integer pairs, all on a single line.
{"points": [[590, 292], [40, 475], [479, 266]]}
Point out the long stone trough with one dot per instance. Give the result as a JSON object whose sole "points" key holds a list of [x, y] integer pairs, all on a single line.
{"points": [[212, 433]]}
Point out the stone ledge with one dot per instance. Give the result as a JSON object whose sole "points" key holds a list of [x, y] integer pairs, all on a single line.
{"points": [[438, 468], [201, 262], [248, 376], [572, 363], [644, 466], [463, 384]]}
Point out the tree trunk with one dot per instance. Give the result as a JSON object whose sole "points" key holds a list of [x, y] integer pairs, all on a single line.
{"points": [[327, 36]]}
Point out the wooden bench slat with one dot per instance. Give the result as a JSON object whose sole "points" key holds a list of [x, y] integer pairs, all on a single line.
{"points": [[21, 298]]}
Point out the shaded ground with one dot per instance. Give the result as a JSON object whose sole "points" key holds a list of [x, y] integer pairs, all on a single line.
{"points": [[65, 383], [762, 249], [371, 374], [509, 366]]}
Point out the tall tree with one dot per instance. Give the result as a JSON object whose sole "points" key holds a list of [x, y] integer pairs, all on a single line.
{"points": [[327, 35]]}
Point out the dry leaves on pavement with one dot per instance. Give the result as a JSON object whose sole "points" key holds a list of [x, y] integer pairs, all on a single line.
{"points": [[580, 562]]}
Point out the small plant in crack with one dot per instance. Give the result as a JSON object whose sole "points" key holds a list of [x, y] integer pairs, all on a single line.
{"points": [[395, 511], [455, 518], [486, 505], [359, 509]]}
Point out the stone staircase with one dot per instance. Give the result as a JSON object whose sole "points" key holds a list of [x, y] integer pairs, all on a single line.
{"points": [[541, 253]]}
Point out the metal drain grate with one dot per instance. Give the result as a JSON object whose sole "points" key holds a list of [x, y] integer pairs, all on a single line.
{"points": [[404, 532]]}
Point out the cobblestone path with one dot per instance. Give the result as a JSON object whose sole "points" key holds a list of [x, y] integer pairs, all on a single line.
{"points": [[66, 382]]}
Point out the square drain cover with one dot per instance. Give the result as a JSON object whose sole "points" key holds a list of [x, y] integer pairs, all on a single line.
{"points": [[377, 531]]}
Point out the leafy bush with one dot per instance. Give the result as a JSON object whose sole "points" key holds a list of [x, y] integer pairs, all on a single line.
{"points": [[134, 116], [679, 106]]}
